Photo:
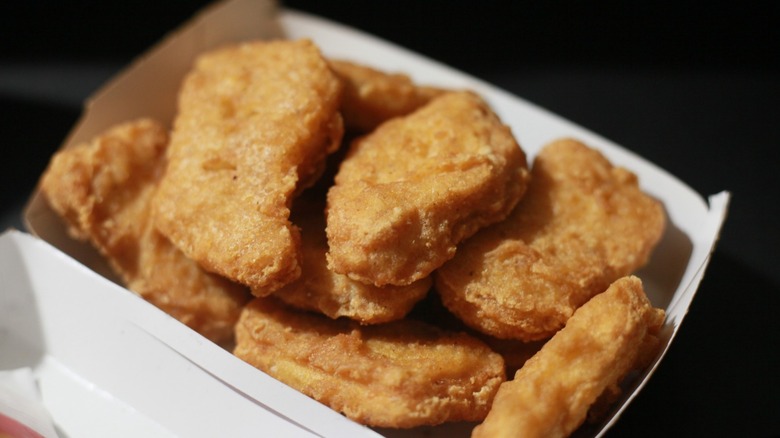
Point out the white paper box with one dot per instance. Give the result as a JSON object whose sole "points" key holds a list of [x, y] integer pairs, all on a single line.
{"points": [[109, 364], [185, 371]]}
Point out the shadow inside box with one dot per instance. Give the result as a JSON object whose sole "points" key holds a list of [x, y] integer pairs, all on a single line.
{"points": [[662, 274], [31, 132]]}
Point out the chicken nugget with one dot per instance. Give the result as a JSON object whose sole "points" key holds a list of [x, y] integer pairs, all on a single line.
{"points": [[431, 311], [335, 295], [602, 342], [372, 96], [255, 124], [103, 189], [409, 192], [582, 224], [401, 374]]}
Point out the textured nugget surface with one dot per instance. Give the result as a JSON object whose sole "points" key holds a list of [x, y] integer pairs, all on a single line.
{"points": [[582, 224], [372, 96], [409, 192], [103, 190], [401, 374], [336, 295], [254, 126], [551, 394]]}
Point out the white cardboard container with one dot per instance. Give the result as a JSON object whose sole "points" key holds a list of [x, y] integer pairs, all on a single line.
{"points": [[109, 364]]}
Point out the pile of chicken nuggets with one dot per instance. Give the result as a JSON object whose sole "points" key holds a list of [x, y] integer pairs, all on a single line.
{"points": [[381, 246]]}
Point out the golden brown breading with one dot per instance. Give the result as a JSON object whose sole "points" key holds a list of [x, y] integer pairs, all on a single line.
{"points": [[372, 96], [335, 295], [515, 353], [103, 190], [430, 310], [409, 192], [551, 395], [401, 374], [582, 224], [254, 126]]}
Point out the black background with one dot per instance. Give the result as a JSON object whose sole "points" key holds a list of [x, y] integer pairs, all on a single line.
{"points": [[691, 86]]}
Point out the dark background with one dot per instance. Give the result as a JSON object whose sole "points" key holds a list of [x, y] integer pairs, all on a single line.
{"points": [[691, 86]]}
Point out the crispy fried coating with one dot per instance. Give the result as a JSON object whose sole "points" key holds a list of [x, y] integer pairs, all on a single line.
{"points": [[103, 189], [515, 353], [255, 123], [372, 96], [401, 374], [409, 192], [335, 295], [431, 311], [582, 224], [551, 395]]}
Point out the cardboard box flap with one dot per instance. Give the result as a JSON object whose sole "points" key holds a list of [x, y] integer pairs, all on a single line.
{"points": [[92, 343]]}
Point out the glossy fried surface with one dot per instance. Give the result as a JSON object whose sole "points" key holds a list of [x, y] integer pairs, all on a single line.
{"points": [[335, 295], [604, 340], [430, 310], [103, 189], [401, 374], [372, 96], [255, 123], [582, 224], [409, 192]]}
